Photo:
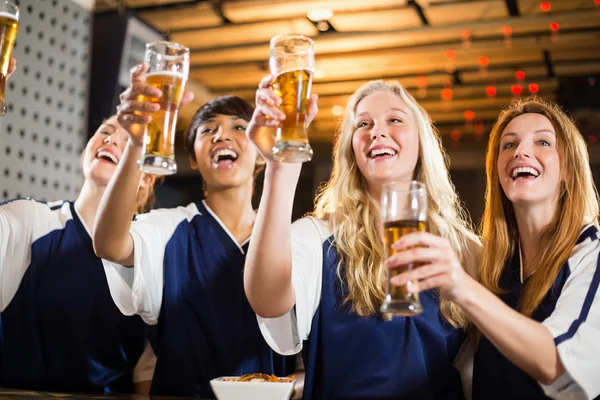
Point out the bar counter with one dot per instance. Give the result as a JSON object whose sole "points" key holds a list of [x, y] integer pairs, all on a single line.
{"points": [[32, 394]]}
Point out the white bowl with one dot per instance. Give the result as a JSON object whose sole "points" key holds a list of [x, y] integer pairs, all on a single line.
{"points": [[232, 390]]}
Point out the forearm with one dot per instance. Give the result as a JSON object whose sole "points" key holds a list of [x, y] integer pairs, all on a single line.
{"points": [[268, 271], [526, 343], [113, 220]]}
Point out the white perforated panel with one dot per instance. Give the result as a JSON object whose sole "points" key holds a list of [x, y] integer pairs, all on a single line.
{"points": [[44, 131]]}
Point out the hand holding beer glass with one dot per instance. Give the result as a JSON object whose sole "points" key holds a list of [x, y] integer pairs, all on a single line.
{"points": [[9, 24], [292, 63], [168, 69], [403, 211]]}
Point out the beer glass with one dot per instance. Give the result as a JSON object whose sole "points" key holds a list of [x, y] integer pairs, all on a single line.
{"points": [[168, 69], [403, 211], [9, 24], [292, 62]]}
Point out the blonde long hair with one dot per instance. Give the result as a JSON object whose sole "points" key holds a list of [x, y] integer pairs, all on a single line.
{"points": [[578, 205], [351, 212]]}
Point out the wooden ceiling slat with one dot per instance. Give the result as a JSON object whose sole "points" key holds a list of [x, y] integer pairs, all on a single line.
{"points": [[577, 69], [230, 35], [503, 74], [147, 3], [383, 20], [250, 11], [527, 7], [575, 54], [454, 13], [201, 15]]}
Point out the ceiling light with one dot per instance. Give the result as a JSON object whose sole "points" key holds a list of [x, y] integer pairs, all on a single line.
{"points": [[320, 15]]}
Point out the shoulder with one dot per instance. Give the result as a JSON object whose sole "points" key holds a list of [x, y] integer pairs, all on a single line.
{"points": [[38, 212], [586, 253], [176, 215], [311, 228]]}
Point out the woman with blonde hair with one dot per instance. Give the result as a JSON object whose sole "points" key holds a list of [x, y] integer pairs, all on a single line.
{"points": [[536, 306], [322, 278]]}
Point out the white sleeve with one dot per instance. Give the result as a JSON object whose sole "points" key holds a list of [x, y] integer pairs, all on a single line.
{"points": [[151, 233], [575, 325], [144, 369], [22, 222], [286, 333]]}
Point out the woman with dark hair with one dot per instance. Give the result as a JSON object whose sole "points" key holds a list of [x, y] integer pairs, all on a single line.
{"points": [[59, 328], [188, 261]]}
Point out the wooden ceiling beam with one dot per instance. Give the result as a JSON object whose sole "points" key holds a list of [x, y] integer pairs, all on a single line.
{"points": [[199, 15], [261, 10], [242, 34]]}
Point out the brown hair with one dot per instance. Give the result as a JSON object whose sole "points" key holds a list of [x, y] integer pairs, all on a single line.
{"points": [[578, 205]]}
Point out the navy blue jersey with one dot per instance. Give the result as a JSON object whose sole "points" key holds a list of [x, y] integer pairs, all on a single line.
{"points": [[188, 287], [571, 311], [351, 357], [59, 328]]}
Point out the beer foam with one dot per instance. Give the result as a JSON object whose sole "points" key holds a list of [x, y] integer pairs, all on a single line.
{"points": [[8, 16], [172, 74]]}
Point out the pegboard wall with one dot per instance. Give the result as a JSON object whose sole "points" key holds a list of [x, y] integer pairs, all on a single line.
{"points": [[45, 129]]}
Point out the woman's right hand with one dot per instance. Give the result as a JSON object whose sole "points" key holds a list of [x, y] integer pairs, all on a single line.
{"points": [[267, 116], [133, 111]]}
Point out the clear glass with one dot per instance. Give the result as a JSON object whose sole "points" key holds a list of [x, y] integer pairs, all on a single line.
{"points": [[292, 62], [169, 66], [9, 25], [403, 211]]}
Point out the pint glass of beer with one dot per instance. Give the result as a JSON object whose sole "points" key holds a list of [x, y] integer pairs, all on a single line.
{"points": [[9, 24], [169, 65], [403, 211], [292, 62]]}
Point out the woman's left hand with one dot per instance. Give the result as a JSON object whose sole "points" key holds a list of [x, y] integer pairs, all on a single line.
{"points": [[440, 267]]}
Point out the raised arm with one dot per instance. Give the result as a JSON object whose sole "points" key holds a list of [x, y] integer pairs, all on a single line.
{"points": [[113, 220], [268, 271]]}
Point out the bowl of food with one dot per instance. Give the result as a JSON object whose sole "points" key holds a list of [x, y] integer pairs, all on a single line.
{"points": [[253, 387]]}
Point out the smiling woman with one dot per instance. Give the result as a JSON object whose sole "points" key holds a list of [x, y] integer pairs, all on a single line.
{"points": [[217, 145], [188, 261], [54, 294], [320, 281], [537, 307]]}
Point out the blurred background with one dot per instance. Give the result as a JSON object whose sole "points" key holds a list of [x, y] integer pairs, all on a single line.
{"points": [[462, 59]]}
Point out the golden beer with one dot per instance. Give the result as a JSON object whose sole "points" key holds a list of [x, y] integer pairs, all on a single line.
{"points": [[168, 68], [403, 210], [160, 135], [294, 89], [392, 231], [9, 25], [292, 63]]}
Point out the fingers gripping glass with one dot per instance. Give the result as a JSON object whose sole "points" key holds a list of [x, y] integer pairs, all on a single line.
{"points": [[403, 211], [168, 69], [292, 63]]}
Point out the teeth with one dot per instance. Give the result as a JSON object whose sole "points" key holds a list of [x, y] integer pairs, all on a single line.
{"points": [[224, 152], [108, 155], [519, 170], [382, 151]]}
